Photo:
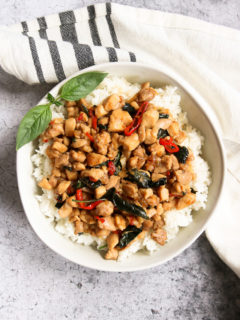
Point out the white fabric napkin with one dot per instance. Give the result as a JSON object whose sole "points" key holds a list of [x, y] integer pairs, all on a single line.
{"points": [[51, 48]]}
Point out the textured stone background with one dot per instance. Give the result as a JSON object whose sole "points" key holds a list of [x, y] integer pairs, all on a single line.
{"points": [[35, 283]]}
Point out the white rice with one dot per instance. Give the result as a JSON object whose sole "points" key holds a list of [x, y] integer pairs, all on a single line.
{"points": [[167, 97]]}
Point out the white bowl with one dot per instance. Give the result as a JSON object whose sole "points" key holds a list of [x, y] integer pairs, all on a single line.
{"points": [[200, 116]]}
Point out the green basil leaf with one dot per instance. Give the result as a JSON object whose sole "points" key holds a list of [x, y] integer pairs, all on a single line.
{"points": [[124, 205], [130, 233], [80, 86], [53, 100], [33, 124], [50, 98]]}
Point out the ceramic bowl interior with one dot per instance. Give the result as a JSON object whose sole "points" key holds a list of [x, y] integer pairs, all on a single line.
{"points": [[200, 116]]}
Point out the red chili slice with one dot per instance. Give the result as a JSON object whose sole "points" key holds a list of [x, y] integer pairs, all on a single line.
{"points": [[80, 117], [137, 119], [100, 219], [111, 168], [89, 136], [79, 197], [131, 221], [169, 145]]}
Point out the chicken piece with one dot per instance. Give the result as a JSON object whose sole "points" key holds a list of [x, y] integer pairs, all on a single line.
{"points": [[69, 104], [163, 124], [78, 227], [59, 147], [174, 129], [165, 164], [72, 203], [63, 160], [44, 184], [150, 136], [62, 187], [169, 205], [70, 125], [142, 133], [66, 141], [157, 149], [119, 120], [113, 102], [160, 236], [72, 111], [130, 189], [146, 94], [78, 166], [93, 159], [147, 225], [186, 201], [113, 182], [151, 212], [99, 192], [104, 208], [101, 142], [112, 240], [150, 118], [159, 209], [93, 173], [157, 176], [184, 177], [71, 175], [131, 142], [152, 163], [65, 210], [181, 137], [107, 224], [146, 193], [120, 222], [79, 143], [104, 121], [56, 172], [175, 164], [51, 153], [54, 130], [112, 254], [163, 193], [100, 111], [152, 200], [78, 156], [87, 217], [102, 233]]}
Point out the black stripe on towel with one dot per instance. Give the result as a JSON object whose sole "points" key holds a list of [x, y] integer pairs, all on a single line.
{"points": [[67, 26], [112, 54], [83, 53], [43, 26], [93, 26], [132, 57], [34, 53], [111, 26], [56, 59]]}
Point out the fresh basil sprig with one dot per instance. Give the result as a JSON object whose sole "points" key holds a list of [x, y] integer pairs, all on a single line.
{"points": [[37, 119], [53, 100], [80, 86], [33, 124]]}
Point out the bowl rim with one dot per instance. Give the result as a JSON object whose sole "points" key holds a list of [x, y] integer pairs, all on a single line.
{"points": [[170, 73]]}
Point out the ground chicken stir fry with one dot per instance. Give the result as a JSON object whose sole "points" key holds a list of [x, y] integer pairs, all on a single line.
{"points": [[118, 167]]}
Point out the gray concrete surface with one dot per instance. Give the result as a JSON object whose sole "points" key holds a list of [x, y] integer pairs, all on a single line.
{"points": [[35, 283]]}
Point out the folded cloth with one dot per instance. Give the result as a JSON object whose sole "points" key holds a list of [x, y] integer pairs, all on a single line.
{"points": [[51, 48]]}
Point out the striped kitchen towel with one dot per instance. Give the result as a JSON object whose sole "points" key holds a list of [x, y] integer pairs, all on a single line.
{"points": [[51, 48]]}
